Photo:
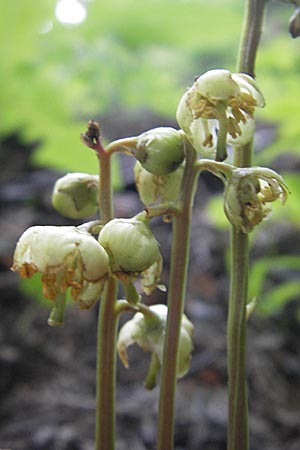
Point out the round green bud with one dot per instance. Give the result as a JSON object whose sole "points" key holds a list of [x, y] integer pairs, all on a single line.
{"points": [[153, 188], [130, 244], [76, 195], [217, 84], [161, 150]]}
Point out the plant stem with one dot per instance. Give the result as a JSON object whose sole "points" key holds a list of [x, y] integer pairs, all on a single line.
{"points": [[107, 326], [176, 298], [238, 432], [251, 33]]}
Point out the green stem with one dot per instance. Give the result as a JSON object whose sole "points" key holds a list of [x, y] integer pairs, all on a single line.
{"points": [[238, 434], [105, 187], [107, 326], [106, 369], [251, 33], [238, 430], [176, 298], [56, 318], [131, 293], [125, 145], [150, 381], [222, 133]]}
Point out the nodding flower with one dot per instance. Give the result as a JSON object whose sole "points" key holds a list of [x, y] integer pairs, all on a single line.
{"points": [[248, 194], [219, 104], [147, 329], [67, 258]]}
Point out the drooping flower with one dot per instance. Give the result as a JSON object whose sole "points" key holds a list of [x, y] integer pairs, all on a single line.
{"points": [[248, 194], [66, 258], [147, 329], [153, 188], [219, 103]]}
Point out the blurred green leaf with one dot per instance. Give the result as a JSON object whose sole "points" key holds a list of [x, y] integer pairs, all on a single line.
{"points": [[260, 269], [275, 299]]}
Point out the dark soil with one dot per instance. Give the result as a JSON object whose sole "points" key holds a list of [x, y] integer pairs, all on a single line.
{"points": [[47, 383]]}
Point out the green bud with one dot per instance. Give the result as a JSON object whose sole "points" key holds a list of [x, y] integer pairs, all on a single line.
{"points": [[76, 195], [248, 194], [130, 244], [67, 258], [147, 329], [154, 188], [161, 150]]}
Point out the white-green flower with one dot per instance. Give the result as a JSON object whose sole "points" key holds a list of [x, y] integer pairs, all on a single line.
{"points": [[66, 258], [248, 194], [148, 331], [219, 99], [153, 188]]}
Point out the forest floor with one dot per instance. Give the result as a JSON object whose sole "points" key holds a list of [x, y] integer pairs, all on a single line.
{"points": [[47, 382]]}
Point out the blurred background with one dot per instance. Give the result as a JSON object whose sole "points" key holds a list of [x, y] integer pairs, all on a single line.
{"points": [[126, 63]]}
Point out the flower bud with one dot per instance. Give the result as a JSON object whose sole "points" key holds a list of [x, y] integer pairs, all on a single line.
{"points": [[161, 150], [154, 188], [76, 195], [148, 331], [248, 194], [130, 244], [66, 257]]}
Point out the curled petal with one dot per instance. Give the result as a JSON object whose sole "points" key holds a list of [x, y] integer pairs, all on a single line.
{"points": [[241, 133], [203, 136], [248, 85], [151, 276]]}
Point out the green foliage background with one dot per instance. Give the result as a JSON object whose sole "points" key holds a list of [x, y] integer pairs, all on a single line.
{"points": [[135, 55], [129, 55]]}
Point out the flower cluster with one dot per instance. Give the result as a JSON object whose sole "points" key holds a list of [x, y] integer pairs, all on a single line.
{"points": [[69, 258]]}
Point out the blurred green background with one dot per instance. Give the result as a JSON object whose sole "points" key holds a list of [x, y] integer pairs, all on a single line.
{"points": [[64, 62]]}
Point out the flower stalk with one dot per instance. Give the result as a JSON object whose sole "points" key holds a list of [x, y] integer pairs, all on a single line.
{"points": [[176, 300], [238, 430], [107, 319]]}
